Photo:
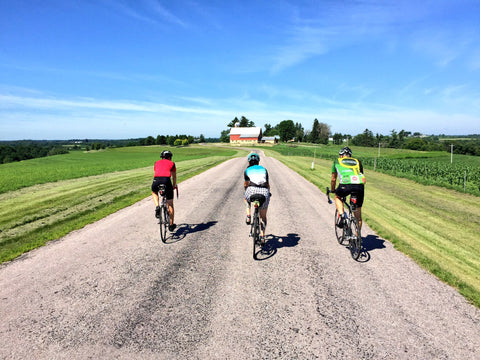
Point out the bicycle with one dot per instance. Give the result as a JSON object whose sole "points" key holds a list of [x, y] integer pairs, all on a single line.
{"points": [[257, 200], [164, 218], [350, 231]]}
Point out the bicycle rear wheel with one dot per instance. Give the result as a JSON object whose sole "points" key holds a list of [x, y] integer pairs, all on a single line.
{"points": [[339, 232], [355, 239], [164, 222], [255, 232]]}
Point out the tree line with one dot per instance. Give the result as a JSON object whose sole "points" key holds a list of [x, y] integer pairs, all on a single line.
{"points": [[12, 151], [320, 133]]}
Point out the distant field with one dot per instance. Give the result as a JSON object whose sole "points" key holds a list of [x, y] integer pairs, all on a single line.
{"points": [[78, 164], [436, 227], [73, 190], [428, 168]]}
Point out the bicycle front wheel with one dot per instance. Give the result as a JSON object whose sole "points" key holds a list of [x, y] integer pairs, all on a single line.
{"points": [[164, 222], [339, 232], [355, 239]]}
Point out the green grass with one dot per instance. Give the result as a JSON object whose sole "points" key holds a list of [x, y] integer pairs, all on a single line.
{"points": [[428, 168], [31, 216], [78, 164], [437, 227]]}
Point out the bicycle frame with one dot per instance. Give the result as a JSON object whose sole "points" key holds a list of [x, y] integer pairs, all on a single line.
{"points": [[351, 230], [255, 230]]}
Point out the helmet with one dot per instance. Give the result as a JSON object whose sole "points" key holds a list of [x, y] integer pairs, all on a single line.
{"points": [[345, 151], [166, 154], [253, 157]]}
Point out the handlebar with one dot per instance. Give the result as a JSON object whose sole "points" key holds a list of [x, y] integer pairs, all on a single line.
{"points": [[328, 195]]}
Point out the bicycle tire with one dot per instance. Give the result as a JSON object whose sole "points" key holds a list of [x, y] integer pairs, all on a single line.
{"points": [[164, 222], [339, 232], [355, 238], [255, 232]]}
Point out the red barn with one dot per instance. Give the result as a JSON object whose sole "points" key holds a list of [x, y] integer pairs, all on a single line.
{"points": [[241, 135]]}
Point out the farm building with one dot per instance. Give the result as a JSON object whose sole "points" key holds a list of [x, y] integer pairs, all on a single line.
{"points": [[270, 139], [240, 135]]}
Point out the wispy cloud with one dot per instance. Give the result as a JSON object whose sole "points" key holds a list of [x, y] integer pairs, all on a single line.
{"points": [[150, 11]]}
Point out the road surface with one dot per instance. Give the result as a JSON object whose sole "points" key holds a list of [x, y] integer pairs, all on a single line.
{"points": [[113, 290]]}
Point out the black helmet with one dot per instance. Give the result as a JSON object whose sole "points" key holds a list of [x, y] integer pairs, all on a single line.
{"points": [[166, 154], [345, 151], [253, 157]]}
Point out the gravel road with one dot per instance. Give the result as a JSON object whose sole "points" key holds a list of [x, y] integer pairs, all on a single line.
{"points": [[113, 290]]}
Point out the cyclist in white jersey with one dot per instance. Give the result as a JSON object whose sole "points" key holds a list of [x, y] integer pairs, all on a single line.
{"points": [[256, 182]]}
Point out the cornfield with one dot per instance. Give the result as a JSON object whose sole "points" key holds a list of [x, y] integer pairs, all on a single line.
{"points": [[460, 175]]}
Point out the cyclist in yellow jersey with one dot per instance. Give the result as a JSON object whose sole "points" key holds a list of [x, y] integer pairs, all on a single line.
{"points": [[349, 171]]}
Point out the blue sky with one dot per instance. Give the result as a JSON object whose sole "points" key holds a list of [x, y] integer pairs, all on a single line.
{"points": [[121, 69]]}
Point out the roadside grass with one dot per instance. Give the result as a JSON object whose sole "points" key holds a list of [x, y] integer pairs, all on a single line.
{"points": [[34, 215], [438, 228]]}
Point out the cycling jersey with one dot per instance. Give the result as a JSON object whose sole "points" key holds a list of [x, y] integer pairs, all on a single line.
{"points": [[257, 175], [349, 170], [164, 168]]}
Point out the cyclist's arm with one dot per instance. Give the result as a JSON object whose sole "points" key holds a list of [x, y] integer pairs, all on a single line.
{"points": [[174, 178], [245, 184], [333, 181]]}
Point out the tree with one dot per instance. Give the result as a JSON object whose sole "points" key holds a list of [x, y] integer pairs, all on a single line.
{"points": [[364, 139], [320, 133], [233, 122], [286, 130], [268, 128], [225, 136], [299, 132], [315, 133], [244, 122], [202, 138], [337, 138]]}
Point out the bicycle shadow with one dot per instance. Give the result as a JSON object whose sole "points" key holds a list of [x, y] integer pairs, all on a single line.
{"points": [[183, 230], [274, 242], [370, 243]]}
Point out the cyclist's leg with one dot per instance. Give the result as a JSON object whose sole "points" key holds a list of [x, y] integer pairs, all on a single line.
{"points": [[263, 216], [340, 193], [358, 215], [246, 199], [171, 210], [359, 192], [155, 199]]}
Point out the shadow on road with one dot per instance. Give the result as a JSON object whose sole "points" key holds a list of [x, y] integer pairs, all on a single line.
{"points": [[373, 242], [369, 243], [273, 243], [183, 230]]}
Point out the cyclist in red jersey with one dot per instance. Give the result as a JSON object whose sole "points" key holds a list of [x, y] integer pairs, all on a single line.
{"points": [[165, 169]]}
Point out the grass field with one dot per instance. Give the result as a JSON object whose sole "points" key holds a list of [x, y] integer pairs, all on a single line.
{"points": [[75, 194], [78, 164], [437, 227], [428, 168]]}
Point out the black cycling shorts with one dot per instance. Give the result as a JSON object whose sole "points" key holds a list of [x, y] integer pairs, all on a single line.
{"points": [[352, 189], [168, 186]]}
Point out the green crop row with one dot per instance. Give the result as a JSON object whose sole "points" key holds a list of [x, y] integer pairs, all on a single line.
{"points": [[429, 168]]}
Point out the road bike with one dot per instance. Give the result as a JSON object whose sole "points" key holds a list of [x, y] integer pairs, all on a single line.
{"points": [[164, 218], [255, 230], [350, 231]]}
